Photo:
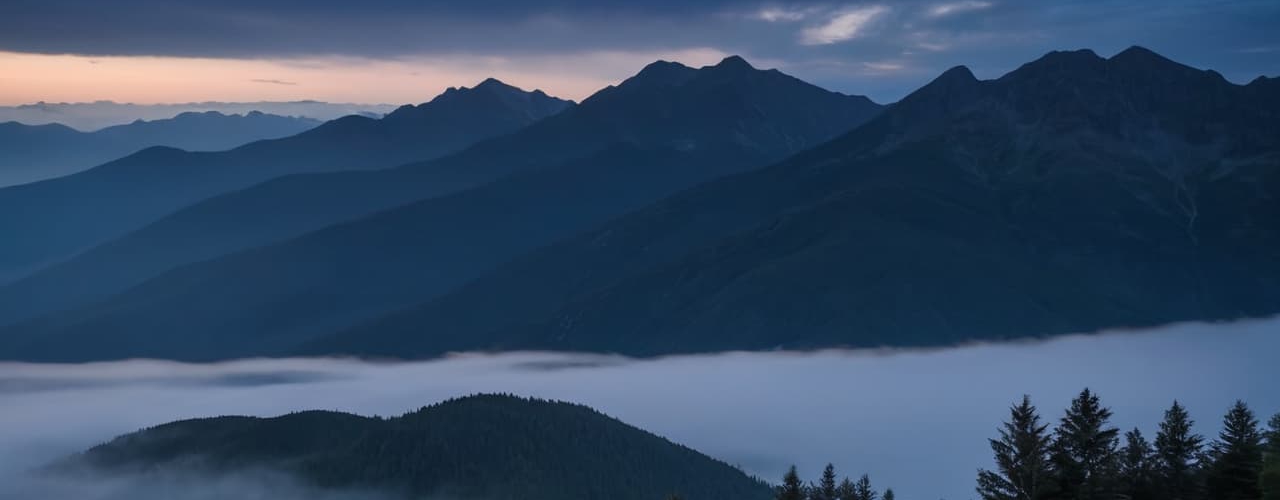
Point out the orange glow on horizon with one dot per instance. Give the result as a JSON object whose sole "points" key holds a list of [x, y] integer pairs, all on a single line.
{"points": [[27, 78]]}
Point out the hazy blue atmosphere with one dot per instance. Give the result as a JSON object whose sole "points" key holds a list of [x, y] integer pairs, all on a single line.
{"points": [[867, 411], [639, 250], [89, 116]]}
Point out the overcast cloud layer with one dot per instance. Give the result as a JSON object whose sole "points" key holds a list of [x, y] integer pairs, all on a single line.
{"points": [[879, 48], [898, 415]]}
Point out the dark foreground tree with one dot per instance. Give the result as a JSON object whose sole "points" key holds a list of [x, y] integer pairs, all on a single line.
{"points": [[888, 494], [1272, 438], [1270, 480], [1084, 452], [791, 488], [1023, 470], [862, 489], [826, 487], [1137, 468], [1177, 455], [846, 490], [1237, 457]]}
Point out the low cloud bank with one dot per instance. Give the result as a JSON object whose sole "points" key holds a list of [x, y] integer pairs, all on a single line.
{"points": [[172, 485], [896, 414]]}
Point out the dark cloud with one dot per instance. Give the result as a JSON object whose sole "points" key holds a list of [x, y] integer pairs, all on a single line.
{"points": [[883, 48]]}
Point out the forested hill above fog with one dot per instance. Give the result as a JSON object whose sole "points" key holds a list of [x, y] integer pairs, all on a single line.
{"points": [[481, 447]]}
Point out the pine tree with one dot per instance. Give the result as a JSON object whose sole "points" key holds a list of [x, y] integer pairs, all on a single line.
{"points": [[1084, 452], [1269, 481], [826, 487], [1272, 437], [1137, 468], [862, 489], [888, 494], [846, 490], [1177, 452], [1237, 457], [791, 488], [1022, 458]]}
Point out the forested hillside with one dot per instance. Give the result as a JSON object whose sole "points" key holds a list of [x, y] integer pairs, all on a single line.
{"points": [[479, 447]]}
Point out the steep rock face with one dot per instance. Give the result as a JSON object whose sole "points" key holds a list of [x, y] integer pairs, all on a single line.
{"points": [[1073, 194], [478, 447], [62, 216], [665, 129]]}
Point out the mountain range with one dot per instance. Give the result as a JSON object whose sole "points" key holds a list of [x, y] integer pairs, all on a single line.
{"points": [[89, 116], [30, 153], [722, 208], [1073, 194], [665, 129], [490, 446], [123, 195]]}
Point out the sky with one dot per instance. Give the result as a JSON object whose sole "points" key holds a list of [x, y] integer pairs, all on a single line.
{"points": [[405, 51], [898, 415]]}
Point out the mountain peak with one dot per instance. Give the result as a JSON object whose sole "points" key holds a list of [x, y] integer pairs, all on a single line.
{"points": [[1137, 52], [487, 91], [197, 114], [488, 84], [1141, 57], [735, 62], [957, 74], [1067, 58], [492, 83], [1060, 66], [662, 73], [953, 85]]}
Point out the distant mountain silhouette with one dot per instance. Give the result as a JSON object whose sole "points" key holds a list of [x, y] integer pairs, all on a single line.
{"points": [[1073, 194], [125, 194], [490, 447], [96, 115], [663, 130], [30, 153]]}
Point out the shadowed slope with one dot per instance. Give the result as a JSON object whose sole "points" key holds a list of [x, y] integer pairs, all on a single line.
{"points": [[663, 130], [61, 216], [1072, 194]]}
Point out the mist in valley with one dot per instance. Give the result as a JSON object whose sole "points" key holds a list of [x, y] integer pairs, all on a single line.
{"points": [[170, 485], [898, 415]]}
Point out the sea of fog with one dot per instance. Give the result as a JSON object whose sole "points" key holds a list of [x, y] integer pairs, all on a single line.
{"points": [[916, 420]]}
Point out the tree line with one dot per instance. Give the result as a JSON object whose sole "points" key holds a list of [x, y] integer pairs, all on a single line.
{"points": [[1085, 458], [827, 487]]}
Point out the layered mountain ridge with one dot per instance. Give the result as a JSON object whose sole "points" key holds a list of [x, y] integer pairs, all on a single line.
{"points": [[30, 153], [1073, 194], [620, 149], [123, 195], [723, 208]]}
